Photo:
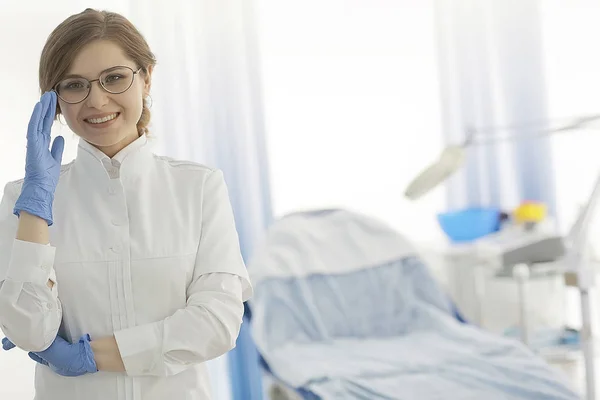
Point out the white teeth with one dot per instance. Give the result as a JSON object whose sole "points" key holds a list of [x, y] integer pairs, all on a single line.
{"points": [[101, 120]]}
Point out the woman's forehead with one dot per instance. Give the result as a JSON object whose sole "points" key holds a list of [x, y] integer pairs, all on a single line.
{"points": [[98, 56]]}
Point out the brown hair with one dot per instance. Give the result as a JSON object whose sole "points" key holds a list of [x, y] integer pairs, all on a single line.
{"points": [[68, 38]]}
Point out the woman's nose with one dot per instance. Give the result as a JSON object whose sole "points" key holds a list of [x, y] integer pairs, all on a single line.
{"points": [[98, 97]]}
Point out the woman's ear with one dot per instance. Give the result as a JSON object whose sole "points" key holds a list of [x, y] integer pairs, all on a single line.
{"points": [[148, 79]]}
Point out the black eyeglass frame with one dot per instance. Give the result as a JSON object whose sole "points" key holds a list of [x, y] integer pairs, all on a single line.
{"points": [[89, 87]]}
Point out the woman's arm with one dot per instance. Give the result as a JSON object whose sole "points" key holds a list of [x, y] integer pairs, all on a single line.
{"points": [[32, 229], [107, 355], [35, 230], [30, 312], [205, 329]]}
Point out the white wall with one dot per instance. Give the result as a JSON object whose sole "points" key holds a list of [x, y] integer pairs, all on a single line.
{"points": [[20, 80], [352, 107], [571, 31]]}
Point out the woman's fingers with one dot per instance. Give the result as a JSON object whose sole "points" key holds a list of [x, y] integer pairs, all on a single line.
{"points": [[7, 344], [37, 358], [49, 113], [34, 122], [46, 99], [42, 117], [57, 149]]}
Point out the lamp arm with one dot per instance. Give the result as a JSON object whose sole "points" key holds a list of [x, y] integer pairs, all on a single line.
{"points": [[453, 156], [578, 237], [578, 123]]}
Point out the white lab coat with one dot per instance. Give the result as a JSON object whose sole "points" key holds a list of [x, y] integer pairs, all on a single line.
{"points": [[143, 248]]}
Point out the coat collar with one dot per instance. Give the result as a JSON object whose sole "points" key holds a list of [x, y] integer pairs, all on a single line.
{"points": [[130, 161]]}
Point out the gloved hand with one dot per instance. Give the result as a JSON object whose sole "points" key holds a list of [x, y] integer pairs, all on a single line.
{"points": [[7, 344], [64, 358], [42, 166]]}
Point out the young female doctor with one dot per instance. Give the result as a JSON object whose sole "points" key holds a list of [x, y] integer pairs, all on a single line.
{"points": [[120, 272]]}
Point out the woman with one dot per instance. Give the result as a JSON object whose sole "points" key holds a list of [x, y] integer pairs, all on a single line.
{"points": [[120, 272]]}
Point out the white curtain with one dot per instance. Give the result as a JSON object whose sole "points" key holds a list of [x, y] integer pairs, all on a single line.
{"points": [[492, 74], [207, 94], [206, 107]]}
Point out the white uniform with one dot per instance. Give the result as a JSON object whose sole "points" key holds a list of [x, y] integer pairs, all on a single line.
{"points": [[143, 248]]}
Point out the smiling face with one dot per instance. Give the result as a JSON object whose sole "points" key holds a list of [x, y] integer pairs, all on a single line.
{"points": [[107, 121]]}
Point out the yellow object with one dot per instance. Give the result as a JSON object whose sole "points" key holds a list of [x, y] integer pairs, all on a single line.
{"points": [[530, 211]]}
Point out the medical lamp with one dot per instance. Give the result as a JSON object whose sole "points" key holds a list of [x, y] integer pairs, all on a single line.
{"points": [[576, 259]]}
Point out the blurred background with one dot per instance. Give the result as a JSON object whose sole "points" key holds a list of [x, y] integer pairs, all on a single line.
{"points": [[339, 104]]}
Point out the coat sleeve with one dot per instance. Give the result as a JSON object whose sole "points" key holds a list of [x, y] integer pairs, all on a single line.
{"points": [[209, 324], [30, 312]]}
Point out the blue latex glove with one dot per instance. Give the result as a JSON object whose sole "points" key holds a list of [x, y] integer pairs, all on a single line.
{"points": [[64, 358], [42, 166], [7, 344]]}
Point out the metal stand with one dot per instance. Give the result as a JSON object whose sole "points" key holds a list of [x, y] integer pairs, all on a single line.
{"points": [[578, 261], [521, 274], [589, 352], [479, 282]]}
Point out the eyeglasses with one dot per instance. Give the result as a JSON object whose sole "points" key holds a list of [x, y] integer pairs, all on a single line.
{"points": [[114, 80]]}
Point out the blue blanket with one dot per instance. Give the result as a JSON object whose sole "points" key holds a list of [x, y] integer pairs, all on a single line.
{"points": [[388, 332]]}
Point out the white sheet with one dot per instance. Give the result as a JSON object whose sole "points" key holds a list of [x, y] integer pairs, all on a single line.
{"points": [[325, 242]]}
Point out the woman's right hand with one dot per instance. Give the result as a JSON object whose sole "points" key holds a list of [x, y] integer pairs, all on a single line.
{"points": [[42, 165]]}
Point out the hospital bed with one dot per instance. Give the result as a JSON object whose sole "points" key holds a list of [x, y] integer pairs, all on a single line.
{"points": [[344, 308]]}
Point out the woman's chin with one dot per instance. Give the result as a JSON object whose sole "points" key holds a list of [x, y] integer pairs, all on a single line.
{"points": [[105, 138], [109, 140]]}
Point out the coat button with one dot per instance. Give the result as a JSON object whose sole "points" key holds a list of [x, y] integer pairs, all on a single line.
{"points": [[111, 190], [116, 248]]}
